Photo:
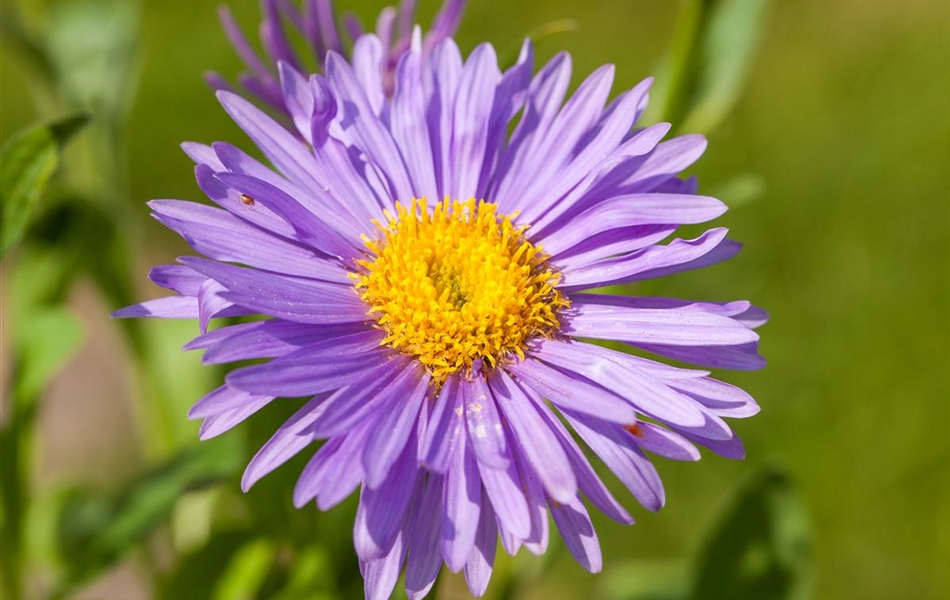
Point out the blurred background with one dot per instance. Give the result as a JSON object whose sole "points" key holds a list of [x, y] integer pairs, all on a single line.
{"points": [[829, 130]]}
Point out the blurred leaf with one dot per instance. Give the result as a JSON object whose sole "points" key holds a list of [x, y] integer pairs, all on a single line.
{"points": [[740, 190], [727, 49], [93, 46], [13, 36], [27, 161], [246, 572], [44, 343], [761, 549], [311, 577], [703, 73], [196, 575], [647, 580], [95, 531]]}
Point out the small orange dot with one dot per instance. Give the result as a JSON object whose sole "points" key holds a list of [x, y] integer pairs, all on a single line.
{"points": [[247, 200], [635, 430]]}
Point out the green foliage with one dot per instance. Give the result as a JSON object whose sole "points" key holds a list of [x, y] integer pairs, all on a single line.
{"points": [[704, 72], [95, 530], [761, 548], [27, 161]]}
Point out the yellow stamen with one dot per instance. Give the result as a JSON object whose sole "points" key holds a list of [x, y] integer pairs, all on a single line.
{"points": [[456, 284]]}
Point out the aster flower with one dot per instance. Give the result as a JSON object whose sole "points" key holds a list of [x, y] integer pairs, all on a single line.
{"points": [[316, 22], [421, 274]]}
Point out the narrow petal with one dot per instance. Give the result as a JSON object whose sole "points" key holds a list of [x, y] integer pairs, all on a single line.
{"points": [[665, 326], [425, 558], [308, 371], [397, 421], [218, 424], [479, 566], [573, 392], [222, 400], [444, 427], [614, 445], [463, 493], [485, 431], [654, 261], [602, 367], [536, 440], [578, 533], [289, 440], [382, 511], [291, 299]]}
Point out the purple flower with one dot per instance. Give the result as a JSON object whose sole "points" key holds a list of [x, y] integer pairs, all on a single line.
{"points": [[317, 23], [421, 273]]}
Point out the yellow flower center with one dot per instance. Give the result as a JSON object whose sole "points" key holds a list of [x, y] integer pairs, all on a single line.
{"points": [[457, 283]]}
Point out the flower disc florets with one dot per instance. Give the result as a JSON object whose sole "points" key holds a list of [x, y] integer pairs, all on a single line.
{"points": [[458, 283]]}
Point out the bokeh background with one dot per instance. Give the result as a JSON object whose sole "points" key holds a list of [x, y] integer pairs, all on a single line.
{"points": [[835, 159]]}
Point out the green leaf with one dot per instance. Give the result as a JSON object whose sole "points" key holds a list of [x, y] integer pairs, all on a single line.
{"points": [[247, 571], [93, 45], [726, 53], [17, 39], [761, 549], [27, 161], [196, 575], [647, 580], [703, 74], [95, 530], [45, 342]]}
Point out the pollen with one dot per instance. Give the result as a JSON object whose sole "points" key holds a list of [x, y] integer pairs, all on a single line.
{"points": [[458, 285]]}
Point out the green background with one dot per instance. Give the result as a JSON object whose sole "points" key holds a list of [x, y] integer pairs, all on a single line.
{"points": [[843, 130]]}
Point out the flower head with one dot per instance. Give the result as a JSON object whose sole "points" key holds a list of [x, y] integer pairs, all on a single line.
{"points": [[316, 22], [420, 270]]}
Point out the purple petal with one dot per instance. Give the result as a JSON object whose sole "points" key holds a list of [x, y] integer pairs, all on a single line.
{"points": [[366, 399], [443, 428], [365, 129], [308, 227], [382, 510], [573, 392], [291, 299], [604, 368], [614, 445], [479, 566], [308, 371], [273, 338], [222, 400], [409, 127], [470, 117], [222, 236], [286, 443], [462, 506], [536, 440], [218, 424], [391, 432], [425, 558], [179, 278], [170, 307], [333, 472], [664, 442], [667, 326], [504, 489], [578, 533], [654, 261], [485, 432], [380, 575], [235, 203], [630, 211], [202, 155]]}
